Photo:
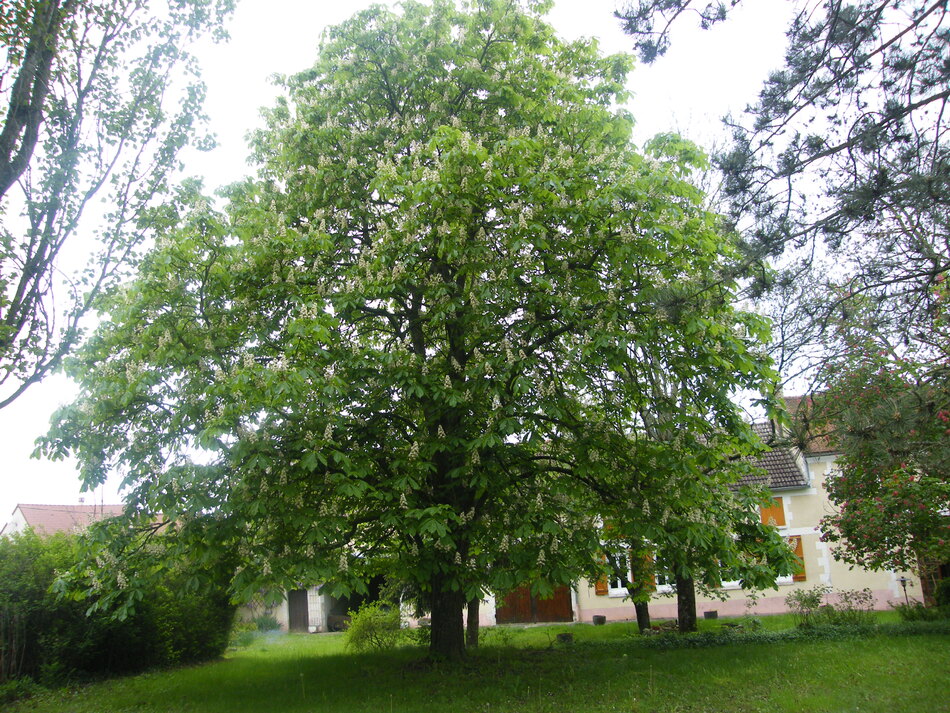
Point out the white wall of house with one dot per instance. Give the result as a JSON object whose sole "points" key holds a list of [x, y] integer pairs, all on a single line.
{"points": [[486, 612], [16, 523], [279, 611]]}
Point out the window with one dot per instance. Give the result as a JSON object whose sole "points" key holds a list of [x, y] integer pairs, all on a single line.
{"points": [[620, 566], [731, 584], [663, 582], [621, 572]]}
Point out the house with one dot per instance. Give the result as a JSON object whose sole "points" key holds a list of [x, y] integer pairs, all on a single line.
{"points": [[50, 519], [796, 478]]}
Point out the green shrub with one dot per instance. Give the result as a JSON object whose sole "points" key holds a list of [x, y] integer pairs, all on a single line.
{"points": [[915, 628], [915, 611], [806, 603], [243, 634], [828, 632], [853, 608], [752, 623], [191, 626], [27, 568], [52, 640], [266, 622], [421, 635], [15, 689], [375, 626]]}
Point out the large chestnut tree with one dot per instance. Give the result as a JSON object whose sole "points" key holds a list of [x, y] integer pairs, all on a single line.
{"points": [[454, 325]]}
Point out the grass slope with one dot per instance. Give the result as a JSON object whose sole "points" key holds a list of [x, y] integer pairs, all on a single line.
{"points": [[525, 670]]}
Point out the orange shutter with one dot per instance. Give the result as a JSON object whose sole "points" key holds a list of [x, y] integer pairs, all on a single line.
{"points": [[649, 563], [647, 566], [796, 544], [601, 586], [774, 515]]}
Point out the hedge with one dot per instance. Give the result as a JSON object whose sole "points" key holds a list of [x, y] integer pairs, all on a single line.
{"points": [[51, 640]]}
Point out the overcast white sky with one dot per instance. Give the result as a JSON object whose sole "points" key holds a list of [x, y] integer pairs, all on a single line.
{"points": [[704, 76]]}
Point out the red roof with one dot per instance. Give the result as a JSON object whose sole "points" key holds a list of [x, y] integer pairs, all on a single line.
{"points": [[49, 519]]}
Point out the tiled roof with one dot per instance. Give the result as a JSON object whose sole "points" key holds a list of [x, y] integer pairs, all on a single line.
{"points": [[48, 519], [781, 470], [780, 464]]}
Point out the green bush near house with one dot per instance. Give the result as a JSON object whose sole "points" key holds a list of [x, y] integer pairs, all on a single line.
{"points": [[51, 640], [243, 634], [375, 626], [266, 622], [915, 611], [191, 627]]}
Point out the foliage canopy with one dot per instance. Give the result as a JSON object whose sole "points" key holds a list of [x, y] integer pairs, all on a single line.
{"points": [[844, 151]]}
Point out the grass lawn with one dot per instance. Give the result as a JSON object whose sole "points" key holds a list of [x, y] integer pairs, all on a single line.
{"points": [[525, 669]]}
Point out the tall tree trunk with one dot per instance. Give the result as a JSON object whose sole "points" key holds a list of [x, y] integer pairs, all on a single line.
{"points": [[642, 582], [643, 615], [686, 603], [471, 625], [448, 634], [29, 90]]}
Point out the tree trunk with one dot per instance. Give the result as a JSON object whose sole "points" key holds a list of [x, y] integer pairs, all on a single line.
{"points": [[643, 615], [642, 582], [929, 575], [686, 604], [471, 628], [29, 91], [448, 634]]}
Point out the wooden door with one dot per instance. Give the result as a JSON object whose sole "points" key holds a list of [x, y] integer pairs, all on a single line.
{"points": [[520, 607], [555, 608], [298, 613], [516, 608]]}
